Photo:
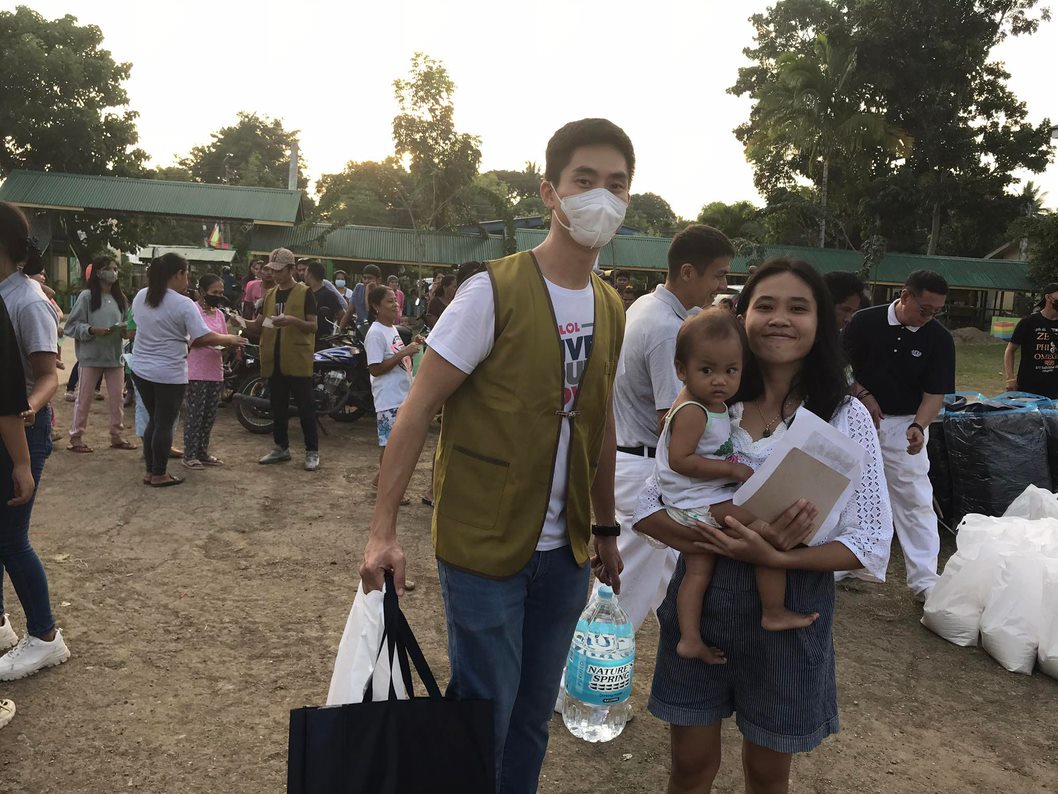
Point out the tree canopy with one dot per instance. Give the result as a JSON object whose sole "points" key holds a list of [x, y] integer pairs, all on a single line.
{"points": [[255, 151], [915, 73]]}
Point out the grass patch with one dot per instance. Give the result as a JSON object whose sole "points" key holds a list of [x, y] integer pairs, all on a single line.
{"points": [[980, 368]]}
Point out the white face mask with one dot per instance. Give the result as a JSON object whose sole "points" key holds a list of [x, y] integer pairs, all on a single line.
{"points": [[594, 216], [108, 276]]}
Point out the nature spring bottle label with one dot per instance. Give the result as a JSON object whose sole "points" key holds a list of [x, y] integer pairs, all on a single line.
{"points": [[597, 671]]}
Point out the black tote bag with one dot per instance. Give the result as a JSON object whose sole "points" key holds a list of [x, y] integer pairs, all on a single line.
{"points": [[425, 744]]}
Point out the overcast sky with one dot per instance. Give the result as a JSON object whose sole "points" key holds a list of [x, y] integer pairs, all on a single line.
{"points": [[658, 69]]}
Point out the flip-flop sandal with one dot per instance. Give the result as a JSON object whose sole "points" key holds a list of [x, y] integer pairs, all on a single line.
{"points": [[191, 463], [175, 453], [123, 445], [82, 449], [146, 479], [170, 480], [209, 460]]}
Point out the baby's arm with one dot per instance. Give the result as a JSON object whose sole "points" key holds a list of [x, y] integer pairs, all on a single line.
{"points": [[685, 431]]}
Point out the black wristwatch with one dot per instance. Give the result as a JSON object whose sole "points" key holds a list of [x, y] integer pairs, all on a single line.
{"points": [[916, 424], [606, 531]]}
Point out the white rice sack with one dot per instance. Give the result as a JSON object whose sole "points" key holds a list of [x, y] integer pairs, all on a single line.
{"points": [[1010, 623], [1048, 652], [953, 609], [1034, 503]]}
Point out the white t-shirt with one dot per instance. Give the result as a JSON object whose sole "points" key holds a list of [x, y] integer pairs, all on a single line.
{"points": [[163, 336], [464, 335], [389, 390], [32, 317]]}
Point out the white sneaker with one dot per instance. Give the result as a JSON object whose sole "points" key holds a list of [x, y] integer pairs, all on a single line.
{"points": [[8, 636], [7, 711], [32, 655], [312, 461]]}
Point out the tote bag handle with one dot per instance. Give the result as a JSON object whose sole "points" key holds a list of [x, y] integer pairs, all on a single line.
{"points": [[400, 643]]}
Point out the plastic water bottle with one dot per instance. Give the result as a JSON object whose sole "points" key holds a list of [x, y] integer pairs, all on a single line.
{"points": [[599, 671]]}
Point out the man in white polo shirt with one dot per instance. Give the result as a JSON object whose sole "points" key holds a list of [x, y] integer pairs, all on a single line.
{"points": [[646, 385]]}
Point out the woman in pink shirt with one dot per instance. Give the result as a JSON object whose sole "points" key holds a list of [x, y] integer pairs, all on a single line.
{"points": [[253, 291], [205, 378]]}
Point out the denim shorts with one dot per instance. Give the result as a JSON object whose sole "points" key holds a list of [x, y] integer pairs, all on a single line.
{"points": [[780, 685], [385, 420]]}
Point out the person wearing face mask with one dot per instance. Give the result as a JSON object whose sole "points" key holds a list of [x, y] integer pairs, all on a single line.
{"points": [[97, 325], [1037, 336], [903, 362], [168, 324], [522, 362], [341, 283], [205, 378]]}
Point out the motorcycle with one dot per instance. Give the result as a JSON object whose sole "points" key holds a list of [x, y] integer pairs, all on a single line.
{"points": [[341, 386]]}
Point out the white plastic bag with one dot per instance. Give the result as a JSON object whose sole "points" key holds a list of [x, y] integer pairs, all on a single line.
{"points": [[360, 652], [1034, 503], [953, 609], [1010, 623], [1048, 652]]}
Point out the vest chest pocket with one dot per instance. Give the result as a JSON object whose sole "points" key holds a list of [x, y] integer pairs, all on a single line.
{"points": [[473, 488]]}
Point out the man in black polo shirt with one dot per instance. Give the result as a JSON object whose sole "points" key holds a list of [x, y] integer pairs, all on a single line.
{"points": [[904, 364]]}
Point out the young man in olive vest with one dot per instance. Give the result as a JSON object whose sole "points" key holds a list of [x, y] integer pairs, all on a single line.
{"points": [[288, 333], [523, 362]]}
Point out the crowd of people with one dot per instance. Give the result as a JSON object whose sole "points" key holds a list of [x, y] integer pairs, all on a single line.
{"points": [[621, 462]]}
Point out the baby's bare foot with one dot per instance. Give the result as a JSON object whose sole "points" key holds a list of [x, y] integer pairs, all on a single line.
{"points": [[696, 649], [784, 620]]}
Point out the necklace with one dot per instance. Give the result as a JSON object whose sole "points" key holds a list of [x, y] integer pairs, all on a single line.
{"points": [[769, 426]]}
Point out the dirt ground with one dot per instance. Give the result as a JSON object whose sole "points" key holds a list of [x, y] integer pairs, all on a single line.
{"points": [[199, 615]]}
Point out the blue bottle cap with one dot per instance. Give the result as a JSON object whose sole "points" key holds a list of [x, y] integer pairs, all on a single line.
{"points": [[606, 592]]}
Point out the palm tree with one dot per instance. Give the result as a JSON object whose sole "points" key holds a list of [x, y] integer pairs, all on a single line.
{"points": [[813, 114]]}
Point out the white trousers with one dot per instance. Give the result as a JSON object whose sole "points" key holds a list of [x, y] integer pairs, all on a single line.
{"points": [[648, 569], [911, 494]]}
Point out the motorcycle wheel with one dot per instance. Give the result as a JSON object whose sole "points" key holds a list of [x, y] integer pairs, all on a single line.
{"points": [[256, 420], [350, 414]]}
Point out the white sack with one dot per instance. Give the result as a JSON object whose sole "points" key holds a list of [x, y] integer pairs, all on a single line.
{"points": [[1034, 503], [1048, 653], [360, 652], [1010, 623], [953, 609]]}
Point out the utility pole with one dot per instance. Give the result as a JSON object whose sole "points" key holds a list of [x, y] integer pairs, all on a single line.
{"points": [[292, 174]]}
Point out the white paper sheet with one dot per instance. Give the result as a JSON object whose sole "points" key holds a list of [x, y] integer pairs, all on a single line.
{"points": [[833, 459]]}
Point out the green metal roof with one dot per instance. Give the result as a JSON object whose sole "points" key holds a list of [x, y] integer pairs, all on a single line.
{"points": [[80, 192], [639, 252], [376, 244]]}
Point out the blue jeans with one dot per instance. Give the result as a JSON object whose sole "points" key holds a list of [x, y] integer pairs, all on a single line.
{"points": [[16, 555], [507, 642]]}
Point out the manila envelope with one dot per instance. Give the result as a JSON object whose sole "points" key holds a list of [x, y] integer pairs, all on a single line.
{"points": [[798, 476]]}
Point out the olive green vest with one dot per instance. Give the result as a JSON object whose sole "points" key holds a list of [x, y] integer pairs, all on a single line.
{"points": [[295, 346], [499, 436]]}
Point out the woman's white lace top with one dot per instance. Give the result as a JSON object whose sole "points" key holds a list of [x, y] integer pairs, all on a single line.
{"points": [[865, 526]]}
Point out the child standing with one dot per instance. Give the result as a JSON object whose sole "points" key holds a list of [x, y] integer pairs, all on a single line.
{"points": [[205, 378], [697, 467], [389, 362]]}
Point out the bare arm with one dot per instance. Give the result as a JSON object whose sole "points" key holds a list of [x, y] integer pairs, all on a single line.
{"points": [[742, 543], [929, 409], [350, 313], [13, 437], [685, 430], [607, 563], [45, 382], [213, 338], [382, 367], [436, 382], [1008, 366]]}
